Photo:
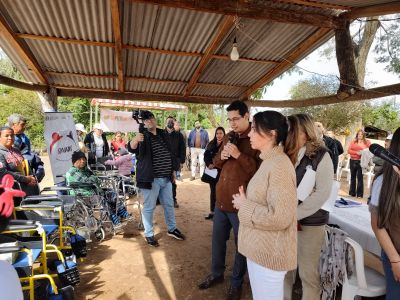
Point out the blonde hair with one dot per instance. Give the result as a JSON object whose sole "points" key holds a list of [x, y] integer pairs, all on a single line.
{"points": [[298, 123]]}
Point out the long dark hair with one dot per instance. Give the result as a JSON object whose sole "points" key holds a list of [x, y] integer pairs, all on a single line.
{"points": [[266, 121], [214, 140], [389, 199]]}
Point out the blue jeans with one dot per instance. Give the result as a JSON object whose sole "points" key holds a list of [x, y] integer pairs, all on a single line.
{"points": [[161, 188], [392, 286], [223, 223]]}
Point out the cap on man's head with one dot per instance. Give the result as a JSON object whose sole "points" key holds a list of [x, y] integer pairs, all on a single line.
{"points": [[97, 126], [80, 127], [390, 137], [77, 155]]}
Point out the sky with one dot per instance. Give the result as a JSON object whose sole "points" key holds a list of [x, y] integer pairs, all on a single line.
{"points": [[375, 74]]}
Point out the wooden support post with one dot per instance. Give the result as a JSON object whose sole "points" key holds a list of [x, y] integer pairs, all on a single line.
{"points": [[49, 100], [345, 59]]}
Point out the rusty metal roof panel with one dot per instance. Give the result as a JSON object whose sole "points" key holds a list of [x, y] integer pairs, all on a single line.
{"points": [[86, 20], [233, 73], [168, 28], [228, 92], [83, 82], [22, 67], [160, 66], [73, 58], [154, 87]]}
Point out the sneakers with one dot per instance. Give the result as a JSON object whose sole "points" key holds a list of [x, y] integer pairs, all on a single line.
{"points": [[176, 205], [192, 178], [210, 216], [151, 241], [176, 234], [129, 217], [234, 293]]}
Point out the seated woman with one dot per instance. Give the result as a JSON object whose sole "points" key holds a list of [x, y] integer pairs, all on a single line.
{"points": [[123, 162], [79, 173], [12, 162]]}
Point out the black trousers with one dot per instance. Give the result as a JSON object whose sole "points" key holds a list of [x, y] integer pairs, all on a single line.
{"points": [[213, 196], [356, 179]]}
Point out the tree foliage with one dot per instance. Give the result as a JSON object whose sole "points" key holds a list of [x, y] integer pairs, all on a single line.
{"points": [[337, 117], [27, 104], [388, 45], [384, 116]]}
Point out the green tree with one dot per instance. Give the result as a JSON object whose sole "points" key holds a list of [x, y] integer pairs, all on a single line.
{"points": [[27, 104], [384, 115], [80, 108], [336, 117], [388, 45]]}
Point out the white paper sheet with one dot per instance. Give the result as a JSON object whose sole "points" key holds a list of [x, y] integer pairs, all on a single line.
{"points": [[306, 185], [211, 172]]}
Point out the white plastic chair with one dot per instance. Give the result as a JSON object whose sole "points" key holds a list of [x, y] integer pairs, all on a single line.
{"points": [[346, 169], [339, 168], [365, 281], [370, 174]]}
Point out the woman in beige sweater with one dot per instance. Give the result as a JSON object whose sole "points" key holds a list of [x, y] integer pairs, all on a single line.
{"points": [[267, 212]]}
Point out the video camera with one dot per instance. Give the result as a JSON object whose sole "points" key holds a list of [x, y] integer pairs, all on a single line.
{"points": [[142, 115]]}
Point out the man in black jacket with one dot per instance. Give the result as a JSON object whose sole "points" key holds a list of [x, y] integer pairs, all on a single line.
{"points": [[154, 171], [178, 149], [334, 146]]}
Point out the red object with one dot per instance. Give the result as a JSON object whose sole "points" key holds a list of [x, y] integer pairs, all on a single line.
{"points": [[7, 197]]}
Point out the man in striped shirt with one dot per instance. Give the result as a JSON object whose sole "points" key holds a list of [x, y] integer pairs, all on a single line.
{"points": [[154, 174]]}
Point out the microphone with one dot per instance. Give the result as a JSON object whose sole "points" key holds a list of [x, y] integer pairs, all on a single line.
{"points": [[381, 152]]}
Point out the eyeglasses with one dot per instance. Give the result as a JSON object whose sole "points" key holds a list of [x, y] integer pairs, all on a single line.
{"points": [[234, 120]]}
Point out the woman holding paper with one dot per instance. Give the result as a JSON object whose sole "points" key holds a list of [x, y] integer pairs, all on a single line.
{"points": [[385, 219], [267, 211], [311, 159], [211, 150]]}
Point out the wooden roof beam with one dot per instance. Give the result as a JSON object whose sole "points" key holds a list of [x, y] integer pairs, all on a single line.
{"points": [[134, 48], [316, 4], [63, 40], [116, 23], [108, 94], [360, 95], [113, 76], [21, 50], [373, 10], [224, 28], [252, 9], [288, 62]]}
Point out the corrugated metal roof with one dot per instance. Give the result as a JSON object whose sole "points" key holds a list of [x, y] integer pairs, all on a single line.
{"points": [[356, 3], [263, 40], [160, 66], [154, 87], [233, 73], [217, 91], [85, 20], [168, 28], [159, 28], [72, 58], [18, 62], [83, 82]]}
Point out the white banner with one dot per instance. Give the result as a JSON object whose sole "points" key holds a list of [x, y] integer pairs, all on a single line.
{"points": [[113, 121], [61, 140]]}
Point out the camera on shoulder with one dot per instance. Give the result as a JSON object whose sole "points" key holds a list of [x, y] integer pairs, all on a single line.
{"points": [[140, 116]]}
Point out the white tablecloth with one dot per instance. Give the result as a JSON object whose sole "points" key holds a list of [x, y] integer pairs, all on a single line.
{"points": [[356, 221]]}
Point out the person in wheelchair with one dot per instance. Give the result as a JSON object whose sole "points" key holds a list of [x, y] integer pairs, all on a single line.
{"points": [[79, 173], [123, 162]]}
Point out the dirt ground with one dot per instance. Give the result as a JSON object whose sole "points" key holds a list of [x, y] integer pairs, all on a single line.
{"points": [[124, 267]]}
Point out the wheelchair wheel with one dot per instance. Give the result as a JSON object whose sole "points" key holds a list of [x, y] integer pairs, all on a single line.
{"points": [[100, 234]]}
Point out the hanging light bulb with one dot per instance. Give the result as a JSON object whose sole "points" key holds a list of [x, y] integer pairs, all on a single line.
{"points": [[234, 53]]}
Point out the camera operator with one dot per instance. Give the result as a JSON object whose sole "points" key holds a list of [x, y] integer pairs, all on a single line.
{"points": [[154, 173]]}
